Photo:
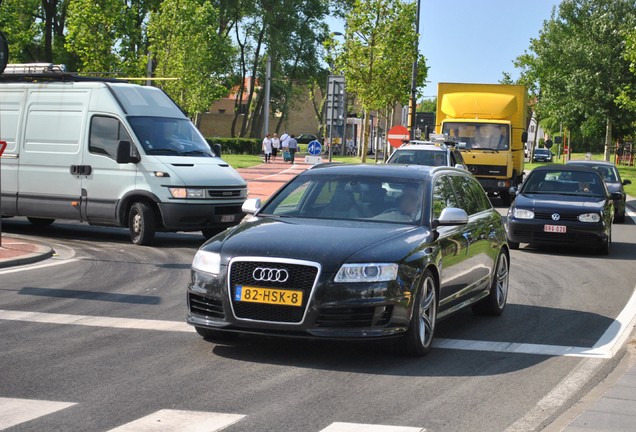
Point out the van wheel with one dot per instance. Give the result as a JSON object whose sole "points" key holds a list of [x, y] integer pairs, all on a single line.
{"points": [[40, 222], [141, 224]]}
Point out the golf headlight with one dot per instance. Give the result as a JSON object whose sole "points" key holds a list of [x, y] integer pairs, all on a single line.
{"points": [[207, 262], [372, 272], [184, 193], [590, 217], [523, 214]]}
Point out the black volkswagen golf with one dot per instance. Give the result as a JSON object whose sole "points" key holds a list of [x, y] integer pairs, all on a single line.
{"points": [[354, 251], [565, 205]]}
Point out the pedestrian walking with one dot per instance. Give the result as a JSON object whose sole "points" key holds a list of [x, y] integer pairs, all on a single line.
{"points": [[267, 147], [275, 146], [293, 147]]}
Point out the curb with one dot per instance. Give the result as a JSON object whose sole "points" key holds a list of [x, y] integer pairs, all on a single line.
{"points": [[40, 254]]}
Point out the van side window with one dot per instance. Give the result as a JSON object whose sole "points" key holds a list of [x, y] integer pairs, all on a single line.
{"points": [[105, 133]]}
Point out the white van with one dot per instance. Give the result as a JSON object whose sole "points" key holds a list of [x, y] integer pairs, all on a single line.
{"points": [[110, 153]]}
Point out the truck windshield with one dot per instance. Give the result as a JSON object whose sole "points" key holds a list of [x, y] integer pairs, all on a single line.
{"points": [[484, 136], [169, 136]]}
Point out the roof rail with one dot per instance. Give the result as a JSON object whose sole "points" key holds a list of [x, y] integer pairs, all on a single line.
{"points": [[34, 72]]}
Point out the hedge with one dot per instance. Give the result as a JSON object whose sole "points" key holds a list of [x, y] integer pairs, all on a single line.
{"points": [[238, 145]]}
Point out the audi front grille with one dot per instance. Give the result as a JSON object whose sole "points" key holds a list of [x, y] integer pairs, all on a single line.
{"points": [[279, 274]]}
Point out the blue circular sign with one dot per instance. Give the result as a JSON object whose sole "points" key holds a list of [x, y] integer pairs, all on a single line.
{"points": [[314, 148]]}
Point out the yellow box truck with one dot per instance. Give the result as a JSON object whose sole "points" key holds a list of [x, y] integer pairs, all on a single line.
{"points": [[488, 121]]}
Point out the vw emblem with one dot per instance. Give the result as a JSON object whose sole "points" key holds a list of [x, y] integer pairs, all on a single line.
{"points": [[264, 274], [556, 216]]}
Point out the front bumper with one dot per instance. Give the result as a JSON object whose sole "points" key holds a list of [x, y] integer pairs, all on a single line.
{"points": [[495, 185], [334, 311], [196, 217], [577, 233]]}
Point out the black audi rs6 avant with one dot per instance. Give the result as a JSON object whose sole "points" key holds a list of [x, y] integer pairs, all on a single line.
{"points": [[351, 252]]}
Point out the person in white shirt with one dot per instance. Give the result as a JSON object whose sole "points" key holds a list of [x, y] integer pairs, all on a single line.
{"points": [[284, 141], [267, 148], [275, 146]]}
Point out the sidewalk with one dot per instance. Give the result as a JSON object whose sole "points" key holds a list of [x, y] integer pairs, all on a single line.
{"points": [[16, 251]]}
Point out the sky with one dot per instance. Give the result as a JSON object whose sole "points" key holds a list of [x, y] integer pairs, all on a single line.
{"points": [[475, 41]]}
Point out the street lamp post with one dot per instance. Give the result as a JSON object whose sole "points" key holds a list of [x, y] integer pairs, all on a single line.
{"points": [[333, 100], [413, 100]]}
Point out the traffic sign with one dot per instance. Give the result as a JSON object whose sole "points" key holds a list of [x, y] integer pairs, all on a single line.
{"points": [[397, 135], [3, 145], [314, 148]]}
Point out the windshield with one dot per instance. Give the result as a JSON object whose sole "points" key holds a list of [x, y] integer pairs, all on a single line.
{"points": [[484, 136], [541, 152], [349, 198], [418, 157], [609, 173], [564, 182], [169, 136]]}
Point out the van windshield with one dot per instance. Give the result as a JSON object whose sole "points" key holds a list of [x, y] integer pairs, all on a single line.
{"points": [[169, 136]]}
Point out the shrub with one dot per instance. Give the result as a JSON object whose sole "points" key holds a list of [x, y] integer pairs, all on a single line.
{"points": [[237, 145]]}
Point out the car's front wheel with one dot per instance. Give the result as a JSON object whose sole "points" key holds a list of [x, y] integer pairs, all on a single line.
{"points": [[419, 337], [495, 302]]}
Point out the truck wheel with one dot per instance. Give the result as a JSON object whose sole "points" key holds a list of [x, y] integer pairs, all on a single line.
{"points": [[40, 222], [506, 198], [141, 224]]}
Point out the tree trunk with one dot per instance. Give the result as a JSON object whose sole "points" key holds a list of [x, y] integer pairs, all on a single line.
{"points": [[365, 137], [608, 140], [250, 96]]}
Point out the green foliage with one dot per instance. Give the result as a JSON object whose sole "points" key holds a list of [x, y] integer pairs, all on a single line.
{"points": [[427, 105], [576, 69], [378, 52], [184, 38]]}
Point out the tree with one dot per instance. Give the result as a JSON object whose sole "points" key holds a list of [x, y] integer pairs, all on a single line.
{"points": [[579, 69], [190, 53], [378, 54], [427, 105]]}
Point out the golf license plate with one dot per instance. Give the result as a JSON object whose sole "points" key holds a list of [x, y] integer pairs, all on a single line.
{"points": [[268, 295], [555, 228]]}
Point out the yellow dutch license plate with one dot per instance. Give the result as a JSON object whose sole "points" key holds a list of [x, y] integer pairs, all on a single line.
{"points": [[268, 295]]}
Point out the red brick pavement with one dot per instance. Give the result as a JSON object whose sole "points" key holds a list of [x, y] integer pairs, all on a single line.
{"points": [[265, 179]]}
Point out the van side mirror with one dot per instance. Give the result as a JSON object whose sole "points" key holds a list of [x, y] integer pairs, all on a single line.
{"points": [[124, 155], [216, 148], [524, 136]]}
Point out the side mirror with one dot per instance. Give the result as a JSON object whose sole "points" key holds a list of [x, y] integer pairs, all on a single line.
{"points": [[251, 206], [460, 166], [216, 148], [124, 153], [452, 216], [524, 136], [627, 182], [616, 196], [514, 190]]}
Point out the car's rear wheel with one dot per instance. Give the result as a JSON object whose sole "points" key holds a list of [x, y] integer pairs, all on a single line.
{"points": [[419, 337], [141, 224], [495, 302], [40, 222], [215, 335]]}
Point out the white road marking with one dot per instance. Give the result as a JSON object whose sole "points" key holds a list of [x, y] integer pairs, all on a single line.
{"points": [[606, 347], [48, 263], [16, 411], [182, 421], [95, 321], [562, 392], [358, 427]]}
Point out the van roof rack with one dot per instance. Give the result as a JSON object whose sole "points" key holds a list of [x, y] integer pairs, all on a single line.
{"points": [[34, 72]]}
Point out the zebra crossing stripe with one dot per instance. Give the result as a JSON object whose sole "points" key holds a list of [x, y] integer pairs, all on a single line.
{"points": [[16, 411], [358, 427], [182, 421]]}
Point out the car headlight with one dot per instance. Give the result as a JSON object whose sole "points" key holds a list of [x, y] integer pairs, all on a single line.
{"points": [[590, 217], [372, 272], [523, 214], [207, 262], [184, 193]]}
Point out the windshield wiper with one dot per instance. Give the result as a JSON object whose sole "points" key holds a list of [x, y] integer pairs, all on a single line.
{"points": [[196, 152]]}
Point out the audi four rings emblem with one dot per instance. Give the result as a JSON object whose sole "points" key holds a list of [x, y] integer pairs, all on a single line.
{"points": [[264, 274], [556, 216]]}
